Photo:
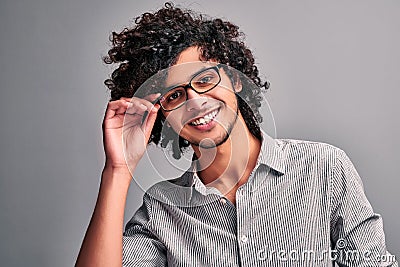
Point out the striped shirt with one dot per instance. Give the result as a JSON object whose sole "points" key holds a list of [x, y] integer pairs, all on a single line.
{"points": [[303, 205]]}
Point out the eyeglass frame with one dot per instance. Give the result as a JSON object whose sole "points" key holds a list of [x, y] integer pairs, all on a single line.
{"points": [[189, 85]]}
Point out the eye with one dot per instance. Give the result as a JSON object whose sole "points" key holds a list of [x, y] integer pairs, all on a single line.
{"points": [[204, 81], [174, 95]]}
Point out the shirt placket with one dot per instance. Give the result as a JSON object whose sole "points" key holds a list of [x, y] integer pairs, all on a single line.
{"points": [[244, 217]]}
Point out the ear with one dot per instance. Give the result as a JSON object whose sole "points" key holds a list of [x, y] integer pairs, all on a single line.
{"points": [[237, 83]]}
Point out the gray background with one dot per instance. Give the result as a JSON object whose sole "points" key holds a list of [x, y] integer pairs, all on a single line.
{"points": [[334, 68]]}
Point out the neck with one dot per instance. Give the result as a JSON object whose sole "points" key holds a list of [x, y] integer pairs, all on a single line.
{"points": [[228, 166]]}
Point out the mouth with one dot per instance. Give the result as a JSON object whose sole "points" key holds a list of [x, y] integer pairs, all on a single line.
{"points": [[205, 119]]}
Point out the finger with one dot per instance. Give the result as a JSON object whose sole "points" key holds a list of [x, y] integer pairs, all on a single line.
{"points": [[136, 107], [129, 99], [152, 97], [132, 106], [149, 101], [115, 106], [149, 105], [121, 106], [134, 114], [139, 110], [148, 124]]}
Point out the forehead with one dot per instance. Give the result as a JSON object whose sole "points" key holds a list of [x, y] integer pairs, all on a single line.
{"points": [[188, 63], [190, 54], [183, 73]]}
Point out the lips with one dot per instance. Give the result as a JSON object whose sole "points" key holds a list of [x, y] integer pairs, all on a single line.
{"points": [[205, 119]]}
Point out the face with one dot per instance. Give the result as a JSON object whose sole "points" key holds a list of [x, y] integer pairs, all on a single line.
{"points": [[205, 119]]}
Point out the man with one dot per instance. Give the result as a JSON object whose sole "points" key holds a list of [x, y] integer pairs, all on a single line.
{"points": [[247, 200]]}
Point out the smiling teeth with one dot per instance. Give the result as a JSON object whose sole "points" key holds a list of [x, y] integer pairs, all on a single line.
{"points": [[206, 119]]}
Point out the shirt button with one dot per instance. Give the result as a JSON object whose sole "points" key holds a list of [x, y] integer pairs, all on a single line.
{"points": [[244, 238], [223, 200]]}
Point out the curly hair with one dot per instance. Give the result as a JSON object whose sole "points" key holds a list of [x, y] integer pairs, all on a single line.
{"points": [[156, 41]]}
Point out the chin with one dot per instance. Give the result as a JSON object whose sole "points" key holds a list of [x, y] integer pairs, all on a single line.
{"points": [[210, 143], [214, 139]]}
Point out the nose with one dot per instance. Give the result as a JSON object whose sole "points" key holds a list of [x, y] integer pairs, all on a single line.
{"points": [[195, 100]]}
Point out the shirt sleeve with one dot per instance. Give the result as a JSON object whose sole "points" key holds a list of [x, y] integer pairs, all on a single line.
{"points": [[356, 231], [140, 246]]}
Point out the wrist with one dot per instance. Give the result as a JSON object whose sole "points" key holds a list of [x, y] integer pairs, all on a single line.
{"points": [[115, 167], [117, 175]]}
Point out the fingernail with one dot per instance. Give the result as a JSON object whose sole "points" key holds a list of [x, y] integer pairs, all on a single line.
{"points": [[143, 106]]}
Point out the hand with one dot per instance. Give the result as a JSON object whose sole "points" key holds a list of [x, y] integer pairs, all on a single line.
{"points": [[135, 133]]}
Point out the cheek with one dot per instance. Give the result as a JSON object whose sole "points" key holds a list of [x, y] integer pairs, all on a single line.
{"points": [[230, 99], [173, 118]]}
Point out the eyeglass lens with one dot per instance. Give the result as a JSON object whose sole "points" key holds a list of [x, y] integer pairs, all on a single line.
{"points": [[201, 83]]}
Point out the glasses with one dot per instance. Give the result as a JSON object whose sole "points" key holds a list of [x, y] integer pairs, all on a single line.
{"points": [[201, 82]]}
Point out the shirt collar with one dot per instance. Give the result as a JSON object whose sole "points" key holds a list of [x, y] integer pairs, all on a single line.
{"points": [[271, 155]]}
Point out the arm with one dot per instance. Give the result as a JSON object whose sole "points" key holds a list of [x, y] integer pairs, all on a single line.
{"points": [[102, 245], [357, 232], [140, 245]]}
